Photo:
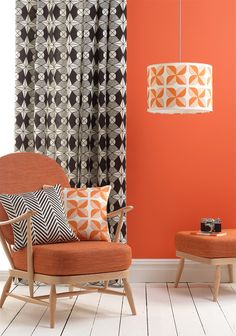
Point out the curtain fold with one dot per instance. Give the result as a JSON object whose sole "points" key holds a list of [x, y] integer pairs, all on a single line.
{"points": [[71, 89]]}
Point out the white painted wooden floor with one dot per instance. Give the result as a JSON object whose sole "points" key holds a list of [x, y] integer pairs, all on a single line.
{"points": [[162, 311]]}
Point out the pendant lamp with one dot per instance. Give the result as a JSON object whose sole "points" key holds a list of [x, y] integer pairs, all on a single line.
{"points": [[180, 87]]}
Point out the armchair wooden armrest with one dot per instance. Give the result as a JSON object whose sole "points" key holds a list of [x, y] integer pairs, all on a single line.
{"points": [[26, 215], [30, 266], [120, 212]]}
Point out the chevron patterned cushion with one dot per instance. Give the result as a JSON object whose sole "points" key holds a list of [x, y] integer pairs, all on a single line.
{"points": [[49, 225]]}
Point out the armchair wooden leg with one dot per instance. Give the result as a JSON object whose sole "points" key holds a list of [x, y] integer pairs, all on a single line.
{"points": [[128, 292], [106, 284], [52, 305], [6, 289], [231, 273], [31, 288], [179, 271], [217, 282]]}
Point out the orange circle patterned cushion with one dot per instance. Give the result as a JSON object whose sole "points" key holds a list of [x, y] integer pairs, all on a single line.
{"points": [[86, 211]]}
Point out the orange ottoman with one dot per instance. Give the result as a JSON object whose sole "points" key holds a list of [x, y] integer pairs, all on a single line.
{"points": [[210, 250]]}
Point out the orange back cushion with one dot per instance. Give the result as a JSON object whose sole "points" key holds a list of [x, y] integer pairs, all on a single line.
{"points": [[24, 172]]}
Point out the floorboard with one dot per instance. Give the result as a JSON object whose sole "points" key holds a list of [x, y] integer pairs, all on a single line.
{"points": [[162, 310], [82, 317], [212, 318], [160, 314], [227, 304], [135, 324], [185, 313], [109, 310], [64, 308], [11, 309]]}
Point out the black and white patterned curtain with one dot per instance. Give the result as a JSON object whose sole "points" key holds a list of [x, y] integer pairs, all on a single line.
{"points": [[71, 88]]}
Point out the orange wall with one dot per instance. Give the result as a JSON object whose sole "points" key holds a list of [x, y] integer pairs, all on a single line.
{"points": [[180, 168]]}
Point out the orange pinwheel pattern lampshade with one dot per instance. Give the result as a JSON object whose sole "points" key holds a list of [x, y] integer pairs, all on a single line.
{"points": [[179, 88]]}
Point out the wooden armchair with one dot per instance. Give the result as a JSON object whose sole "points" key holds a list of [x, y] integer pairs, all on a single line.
{"points": [[82, 261]]}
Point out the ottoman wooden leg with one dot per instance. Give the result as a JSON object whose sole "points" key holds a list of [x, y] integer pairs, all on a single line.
{"points": [[231, 274], [217, 282], [179, 271]]}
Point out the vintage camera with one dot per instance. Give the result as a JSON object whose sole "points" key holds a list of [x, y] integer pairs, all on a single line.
{"points": [[211, 225]]}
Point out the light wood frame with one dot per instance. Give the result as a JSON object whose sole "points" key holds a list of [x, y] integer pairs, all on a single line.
{"points": [[216, 262], [71, 281]]}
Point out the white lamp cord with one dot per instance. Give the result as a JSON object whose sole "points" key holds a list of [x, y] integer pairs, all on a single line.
{"points": [[180, 29]]}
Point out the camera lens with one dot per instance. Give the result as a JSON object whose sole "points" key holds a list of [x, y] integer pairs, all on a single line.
{"points": [[209, 227]]}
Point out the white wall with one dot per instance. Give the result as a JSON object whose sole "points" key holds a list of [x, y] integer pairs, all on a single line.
{"points": [[7, 86]]}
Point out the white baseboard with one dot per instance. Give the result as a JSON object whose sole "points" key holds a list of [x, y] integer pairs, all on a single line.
{"points": [[3, 275], [164, 270]]}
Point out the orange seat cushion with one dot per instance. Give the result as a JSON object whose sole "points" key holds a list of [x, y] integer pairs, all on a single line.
{"points": [[76, 258], [208, 247]]}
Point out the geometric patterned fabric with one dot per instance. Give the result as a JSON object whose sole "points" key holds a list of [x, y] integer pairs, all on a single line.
{"points": [[71, 89], [179, 88], [86, 211], [49, 225]]}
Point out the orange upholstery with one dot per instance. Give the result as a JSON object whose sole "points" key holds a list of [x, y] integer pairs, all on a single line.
{"points": [[208, 247], [23, 172], [76, 258], [61, 262]]}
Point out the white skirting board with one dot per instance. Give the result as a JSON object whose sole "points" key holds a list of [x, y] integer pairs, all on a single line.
{"points": [[163, 270], [3, 275]]}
